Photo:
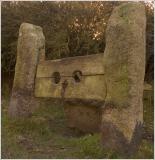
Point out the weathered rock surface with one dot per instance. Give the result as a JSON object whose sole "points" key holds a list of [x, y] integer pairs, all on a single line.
{"points": [[31, 45], [83, 95], [83, 117], [124, 64], [89, 86]]}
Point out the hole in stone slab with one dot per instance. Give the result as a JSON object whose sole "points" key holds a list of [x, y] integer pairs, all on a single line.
{"points": [[77, 75], [56, 77]]}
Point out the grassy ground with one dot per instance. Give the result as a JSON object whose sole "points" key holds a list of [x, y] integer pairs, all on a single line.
{"points": [[45, 135]]}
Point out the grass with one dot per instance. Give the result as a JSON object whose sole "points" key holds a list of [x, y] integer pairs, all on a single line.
{"points": [[45, 135]]}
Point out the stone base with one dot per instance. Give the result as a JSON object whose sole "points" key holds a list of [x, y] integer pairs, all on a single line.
{"points": [[85, 118], [121, 130], [22, 103]]}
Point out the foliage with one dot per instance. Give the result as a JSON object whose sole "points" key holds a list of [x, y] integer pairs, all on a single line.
{"points": [[149, 44], [70, 28]]}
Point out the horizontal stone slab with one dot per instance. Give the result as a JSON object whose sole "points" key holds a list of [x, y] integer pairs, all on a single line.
{"points": [[90, 87], [88, 65]]}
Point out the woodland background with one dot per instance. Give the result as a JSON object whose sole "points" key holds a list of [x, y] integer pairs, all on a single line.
{"points": [[70, 29]]}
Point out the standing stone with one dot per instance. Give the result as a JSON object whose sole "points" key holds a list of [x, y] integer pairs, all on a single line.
{"points": [[31, 45], [124, 63]]}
